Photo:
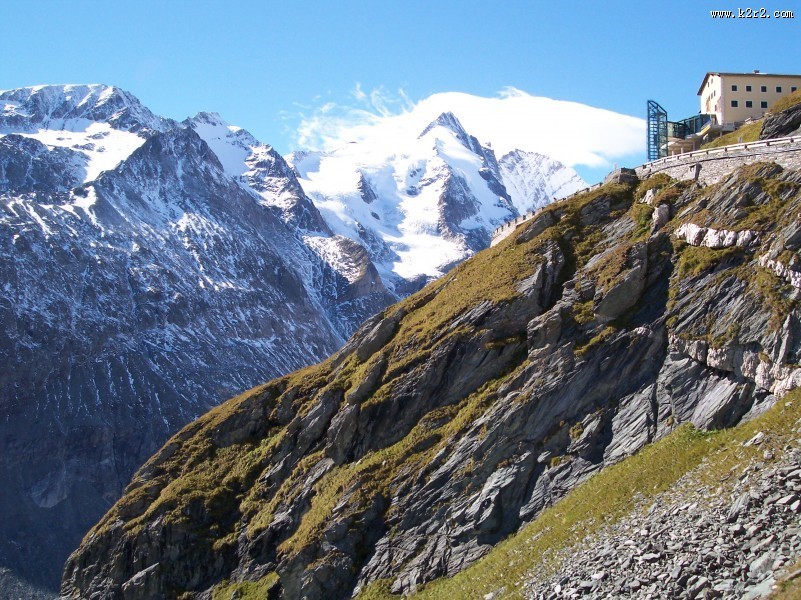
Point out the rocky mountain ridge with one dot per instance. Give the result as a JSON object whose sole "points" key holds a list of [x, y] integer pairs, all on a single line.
{"points": [[141, 285], [151, 269], [452, 418]]}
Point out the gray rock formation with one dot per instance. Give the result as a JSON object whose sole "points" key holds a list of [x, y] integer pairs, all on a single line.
{"points": [[446, 423], [679, 545], [787, 122]]}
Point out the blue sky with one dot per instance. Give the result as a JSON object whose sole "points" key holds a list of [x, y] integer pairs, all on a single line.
{"points": [[268, 65]]}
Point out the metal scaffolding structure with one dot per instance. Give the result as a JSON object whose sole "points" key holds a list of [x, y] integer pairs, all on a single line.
{"points": [[657, 131]]}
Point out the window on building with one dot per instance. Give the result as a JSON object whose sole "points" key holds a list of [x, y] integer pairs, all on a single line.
{"points": [[748, 88], [749, 104], [763, 104], [734, 88], [792, 89], [778, 89], [734, 104], [763, 89]]}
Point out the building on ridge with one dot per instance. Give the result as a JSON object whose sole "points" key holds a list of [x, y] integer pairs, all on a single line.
{"points": [[733, 98], [728, 101]]}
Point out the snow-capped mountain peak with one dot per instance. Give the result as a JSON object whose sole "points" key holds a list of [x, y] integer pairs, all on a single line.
{"points": [[534, 180], [419, 204], [448, 121], [68, 107], [231, 144], [259, 169]]}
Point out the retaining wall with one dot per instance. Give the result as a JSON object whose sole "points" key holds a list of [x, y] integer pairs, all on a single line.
{"points": [[708, 166]]}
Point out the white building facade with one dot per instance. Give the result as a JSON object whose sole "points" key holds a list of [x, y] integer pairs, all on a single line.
{"points": [[737, 97]]}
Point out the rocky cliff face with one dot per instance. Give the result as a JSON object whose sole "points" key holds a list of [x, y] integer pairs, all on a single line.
{"points": [[142, 282], [450, 419], [784, 123]]}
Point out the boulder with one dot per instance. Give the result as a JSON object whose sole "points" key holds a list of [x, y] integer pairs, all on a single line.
{"points": [[622, 175]]}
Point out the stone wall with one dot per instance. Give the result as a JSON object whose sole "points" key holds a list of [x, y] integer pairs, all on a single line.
{"points": [[708, 166]]}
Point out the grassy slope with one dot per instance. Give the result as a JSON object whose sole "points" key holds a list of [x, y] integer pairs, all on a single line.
{"points": [[195, 472], [746, 133], [714, 455]]}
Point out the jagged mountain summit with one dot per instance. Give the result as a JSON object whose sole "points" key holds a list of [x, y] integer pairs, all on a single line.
{"points": [[424, 201], [450, 419], [534, 180], [97, 126], [143, 279]]}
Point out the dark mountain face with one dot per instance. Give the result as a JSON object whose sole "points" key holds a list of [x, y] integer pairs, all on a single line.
{"points": [[452, 418], [28, 166], [133, 302]]}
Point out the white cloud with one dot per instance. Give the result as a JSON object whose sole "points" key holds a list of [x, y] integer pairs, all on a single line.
{"points": [[575, 134], [358, 93]]}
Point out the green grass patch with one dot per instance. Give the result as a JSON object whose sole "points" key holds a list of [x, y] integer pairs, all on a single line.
{"points": [[695, 260], [672, 193], [246, 590], [786, 102], [775, 292], [654, 182], [641, 215], [789, 588], [614, 264], [746, 133], [596, 340], [583, 312]]}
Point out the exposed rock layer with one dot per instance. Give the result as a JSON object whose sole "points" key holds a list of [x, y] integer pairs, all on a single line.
{"points": [[447, 422]]}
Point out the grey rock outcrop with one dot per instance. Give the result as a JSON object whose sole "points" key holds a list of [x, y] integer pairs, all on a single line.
{"points": [[498, 389], [787, 122], [623, 175]]}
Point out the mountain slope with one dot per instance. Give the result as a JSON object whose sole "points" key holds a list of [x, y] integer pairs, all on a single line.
{"points": [[459, 414], [673, 522], [141, 283]]}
